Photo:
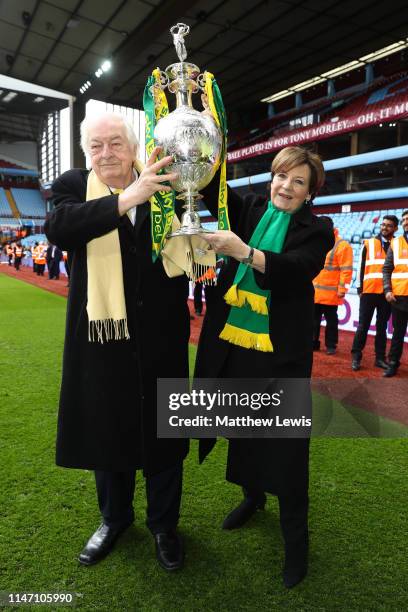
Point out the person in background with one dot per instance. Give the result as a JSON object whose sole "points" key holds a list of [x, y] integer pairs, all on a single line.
{"points": [[40, 259], [198, 298], [34, 252], [18, 256], [395, 279], [331, 285], [54, 256], [66, 265], [275, 248], [10, 253], [371, 292]]}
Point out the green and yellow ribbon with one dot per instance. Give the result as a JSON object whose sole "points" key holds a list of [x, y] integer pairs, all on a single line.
{"points": [[217, 109], [162, 202]]}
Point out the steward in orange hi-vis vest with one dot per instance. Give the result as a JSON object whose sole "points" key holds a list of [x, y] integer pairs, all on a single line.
{"points": [[369, 284], [395, 279], [375, 258], [399, 276], [336, 275], [40, 255]]}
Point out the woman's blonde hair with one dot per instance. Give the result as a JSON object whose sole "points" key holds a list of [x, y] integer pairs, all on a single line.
{"points": [[290, 157]]}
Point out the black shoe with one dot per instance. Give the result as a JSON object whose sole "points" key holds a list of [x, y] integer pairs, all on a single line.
{"points": [[169, 550], [293, 574], [381, 363], [330, 350], [242, 513], [391, 370], [100, 544], [296, 561], [356, 365]]}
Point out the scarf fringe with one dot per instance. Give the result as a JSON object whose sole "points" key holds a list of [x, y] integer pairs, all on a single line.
{"points": [[108, 329], [201, 273], [246, 339], [238, 297]]}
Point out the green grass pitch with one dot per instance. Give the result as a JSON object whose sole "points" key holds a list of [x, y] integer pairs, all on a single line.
{"points": [[358, 514]]}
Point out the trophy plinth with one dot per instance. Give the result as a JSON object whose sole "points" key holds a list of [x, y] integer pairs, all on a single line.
{"points": [[190, 137]]}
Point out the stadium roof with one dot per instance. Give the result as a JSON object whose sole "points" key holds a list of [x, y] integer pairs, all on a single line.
{"points": [[254, 48]]}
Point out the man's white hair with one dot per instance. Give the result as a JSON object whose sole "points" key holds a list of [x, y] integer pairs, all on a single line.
{"points": [[89, 119]]}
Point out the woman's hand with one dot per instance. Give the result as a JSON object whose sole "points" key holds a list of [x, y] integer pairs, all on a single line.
{"points": [[148, 182], [227, 243]]}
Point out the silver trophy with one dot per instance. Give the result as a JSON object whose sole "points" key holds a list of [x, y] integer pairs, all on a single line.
{"points": [[191, 138]]}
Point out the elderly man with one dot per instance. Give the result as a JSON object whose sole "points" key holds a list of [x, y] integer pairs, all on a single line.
{"points": [[119, 338]]}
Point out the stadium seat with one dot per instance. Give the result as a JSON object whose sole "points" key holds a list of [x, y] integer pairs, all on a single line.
{"points": [[5, 210], [29, 202]]}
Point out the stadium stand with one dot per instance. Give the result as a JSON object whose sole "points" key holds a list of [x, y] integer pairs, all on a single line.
{"points": [[29, 202], [9, 221], [31, 240], [5, 210]]}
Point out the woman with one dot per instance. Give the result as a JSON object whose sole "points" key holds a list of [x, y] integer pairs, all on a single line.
{"points": [[282, 246]]}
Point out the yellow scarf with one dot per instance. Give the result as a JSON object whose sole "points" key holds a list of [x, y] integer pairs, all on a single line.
{"points": [[106, 307]]}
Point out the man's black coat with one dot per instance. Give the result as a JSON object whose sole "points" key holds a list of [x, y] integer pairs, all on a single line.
{"points": [[107, 415]]}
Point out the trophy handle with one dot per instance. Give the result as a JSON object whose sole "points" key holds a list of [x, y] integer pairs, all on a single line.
{"points": [[201, 81], [164, 80]]}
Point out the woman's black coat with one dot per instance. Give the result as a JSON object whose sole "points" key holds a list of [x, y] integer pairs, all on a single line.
{"points": [[270, 464], [107, 415]]}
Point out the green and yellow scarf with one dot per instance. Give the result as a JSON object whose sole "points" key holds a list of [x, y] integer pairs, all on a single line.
{"points": [[248, 321]]}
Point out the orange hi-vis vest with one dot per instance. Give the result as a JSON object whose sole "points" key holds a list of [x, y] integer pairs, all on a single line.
{"points": [[9, 250], [399, 276], [19, 252], [40, 255], [375, 258], [336, 274]]}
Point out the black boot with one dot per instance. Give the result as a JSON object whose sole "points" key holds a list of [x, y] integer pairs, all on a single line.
{"points": [[381, 362], [293, 520], [253, 501], [391, 370]]}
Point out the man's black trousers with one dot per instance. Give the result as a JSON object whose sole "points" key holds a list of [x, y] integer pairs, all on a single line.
{"points": [[331, 336], [163, 492], [400, 322], [369, 302]]}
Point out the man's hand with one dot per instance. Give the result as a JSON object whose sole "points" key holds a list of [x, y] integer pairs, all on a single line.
{"points": [[390, 297], [148, 182], [341, 293], [227, 243]]}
